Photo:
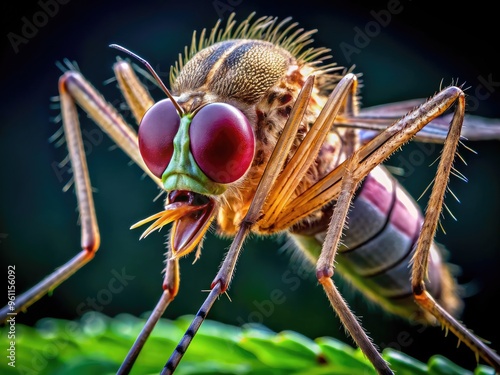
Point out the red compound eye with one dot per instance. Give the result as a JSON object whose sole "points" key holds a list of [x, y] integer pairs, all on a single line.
{"points": [[156, 136], [222, 142]]}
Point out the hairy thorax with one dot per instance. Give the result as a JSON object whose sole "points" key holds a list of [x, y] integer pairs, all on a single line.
{"points": [[262, 80]]}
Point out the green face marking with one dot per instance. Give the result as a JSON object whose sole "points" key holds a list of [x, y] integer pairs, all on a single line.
{"points": [[182, 172]]}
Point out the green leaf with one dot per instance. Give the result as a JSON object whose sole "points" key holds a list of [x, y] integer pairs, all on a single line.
{"points": [[343, 357], [439, 365], [98, 344], [404, 364]]}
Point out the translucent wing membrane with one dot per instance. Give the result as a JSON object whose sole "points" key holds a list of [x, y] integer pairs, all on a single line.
{"points": [[378, 118]]}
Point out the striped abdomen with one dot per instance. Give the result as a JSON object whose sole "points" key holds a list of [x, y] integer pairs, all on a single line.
{"points": [[377, 247]]}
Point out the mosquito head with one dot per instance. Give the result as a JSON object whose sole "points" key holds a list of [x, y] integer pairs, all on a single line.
{"points": [[155, 75]]}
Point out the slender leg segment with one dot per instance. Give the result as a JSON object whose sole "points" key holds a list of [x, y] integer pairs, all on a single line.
{"points": [[170, 289], [195, 325], [73, 90], [223, 279], [89, 230], [421, 256], [274, 207], [353, 172], [136, 96], [282, 211], [273, 181], [325, 270], [106, 116]]}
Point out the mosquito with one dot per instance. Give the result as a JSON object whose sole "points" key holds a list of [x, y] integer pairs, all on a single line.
{"points": [[261, 134]]}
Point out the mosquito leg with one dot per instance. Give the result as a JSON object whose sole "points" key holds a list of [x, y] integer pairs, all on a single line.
{"points": [[36, 292], [74, 89], [272, 176], [325, 270], [136, 96], [106, 116], [305, 155], [421, 255], [341, 99], [170, 289], [223, 279], [89, 230], [193, 328], [331, 187], [371, 154]]}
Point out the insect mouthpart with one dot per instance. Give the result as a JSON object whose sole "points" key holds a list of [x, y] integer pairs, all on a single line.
{"points": [[191, 213]]}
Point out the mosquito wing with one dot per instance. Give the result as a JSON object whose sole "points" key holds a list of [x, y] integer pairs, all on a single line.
{"points": [[375, 119]]}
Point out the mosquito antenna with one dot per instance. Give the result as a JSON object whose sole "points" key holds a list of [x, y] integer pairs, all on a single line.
{"points": [[152, 71]]}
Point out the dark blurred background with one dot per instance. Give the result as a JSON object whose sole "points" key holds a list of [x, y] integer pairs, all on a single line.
{"points": [[419, 49]]}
